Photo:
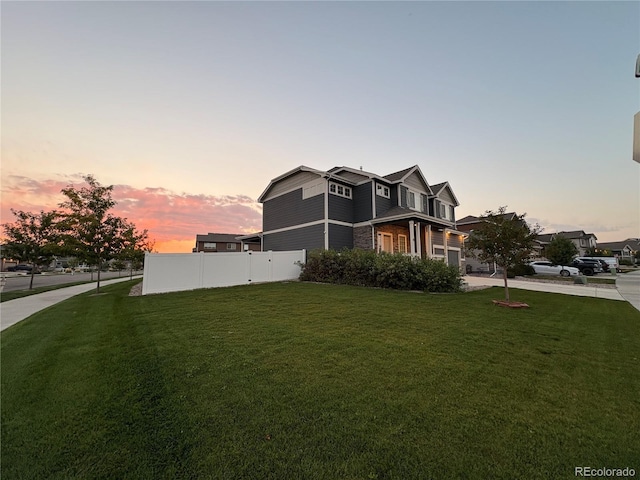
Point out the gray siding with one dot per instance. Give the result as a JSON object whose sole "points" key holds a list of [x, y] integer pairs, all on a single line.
{"points": [[341, 208], [310, 238], [445, 196], [362, 203], [415, 182], [291, 182], [340, 237], [384, 204], [289, 210]]}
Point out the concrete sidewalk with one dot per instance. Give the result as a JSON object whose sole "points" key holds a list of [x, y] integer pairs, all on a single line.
{"points": [[629, 287], [589, 290], [13, 311]]}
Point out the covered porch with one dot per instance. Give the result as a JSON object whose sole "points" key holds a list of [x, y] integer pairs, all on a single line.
{"points": [[416, 235]]}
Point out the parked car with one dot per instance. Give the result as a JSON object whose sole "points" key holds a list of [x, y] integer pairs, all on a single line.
{"points": [[606, 262], [542, 267], [587, 266], [20, 268]]}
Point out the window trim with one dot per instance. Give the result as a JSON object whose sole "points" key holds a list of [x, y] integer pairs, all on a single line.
{"points": [[402, 244], [383, 190], [334, 189]]}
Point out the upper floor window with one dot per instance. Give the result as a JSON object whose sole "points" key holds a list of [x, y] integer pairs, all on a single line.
{"points": [[446, 211], [383, 191], [339, 190], [411, 199]]}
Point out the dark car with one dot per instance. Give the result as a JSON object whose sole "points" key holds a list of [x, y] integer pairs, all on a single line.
{"points": [[587, 267], [21, 268]]}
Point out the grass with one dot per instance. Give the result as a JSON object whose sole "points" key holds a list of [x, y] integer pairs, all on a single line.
{"points": [[320, 382]]}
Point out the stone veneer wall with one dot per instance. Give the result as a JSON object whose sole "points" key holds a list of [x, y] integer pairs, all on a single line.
{"points": [[362, 238]]}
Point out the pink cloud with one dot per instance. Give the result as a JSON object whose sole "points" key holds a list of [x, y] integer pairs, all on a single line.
{"points": [[172, 219]]}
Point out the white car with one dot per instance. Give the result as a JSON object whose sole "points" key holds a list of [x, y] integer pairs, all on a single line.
{"points": [[548, 268]]}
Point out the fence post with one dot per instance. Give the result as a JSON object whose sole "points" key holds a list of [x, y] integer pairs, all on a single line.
{"points": [[201, 272]]}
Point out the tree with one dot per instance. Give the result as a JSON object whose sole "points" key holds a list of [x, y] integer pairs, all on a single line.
{"points": [[91, 233], [560, 251], [135, 245], [32, 238], [504, 239]]}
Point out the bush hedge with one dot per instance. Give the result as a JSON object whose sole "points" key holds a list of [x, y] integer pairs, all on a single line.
{"points": [[369, 269], [520, 270]]}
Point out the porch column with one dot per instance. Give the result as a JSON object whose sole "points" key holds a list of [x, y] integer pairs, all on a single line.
{"points": [[444, 240], [412, 237], [418, 242], [428, 240]]}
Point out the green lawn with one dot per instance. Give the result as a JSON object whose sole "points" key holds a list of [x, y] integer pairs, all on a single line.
{"points": [[305, 381]]}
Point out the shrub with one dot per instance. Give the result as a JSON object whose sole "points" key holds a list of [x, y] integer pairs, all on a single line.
{"points": [[625, 261], [520, 271], [366, 268]]}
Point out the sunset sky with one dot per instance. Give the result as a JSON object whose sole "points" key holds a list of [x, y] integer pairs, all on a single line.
{"points": [[191, 108]]}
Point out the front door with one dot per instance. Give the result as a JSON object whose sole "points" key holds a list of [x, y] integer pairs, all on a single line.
{"points": [[385, 242]]}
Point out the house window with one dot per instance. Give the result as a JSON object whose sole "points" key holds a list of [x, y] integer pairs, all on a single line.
{"points": [[443, 210], [402, 243], [209, 245], [232, 246], [340, 190], [383, 191], [411, 200]]}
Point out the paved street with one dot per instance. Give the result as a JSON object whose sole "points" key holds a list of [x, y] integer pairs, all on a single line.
{"points": [[21, 282]]}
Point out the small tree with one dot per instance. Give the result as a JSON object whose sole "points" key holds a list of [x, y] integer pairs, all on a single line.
{"points": [[91, 233], [135, 245], [506, 240], [560, 251], [32, 238]]}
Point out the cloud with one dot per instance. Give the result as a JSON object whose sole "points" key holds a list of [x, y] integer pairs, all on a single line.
{"points": [[172, 219]]}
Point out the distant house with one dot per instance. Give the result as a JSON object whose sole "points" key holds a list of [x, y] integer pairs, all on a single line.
{"points": [[345, 207], [624, 250], [583, 241], [468, 224], [224, 242]]}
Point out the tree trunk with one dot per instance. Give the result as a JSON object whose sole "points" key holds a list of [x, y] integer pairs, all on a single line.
{"points": [[506, 287], [33, 270]]}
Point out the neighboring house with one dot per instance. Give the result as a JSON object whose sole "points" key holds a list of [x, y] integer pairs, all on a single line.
{"points": [[583, 241], [468, 224], [349, 208], [224, 242], [624, 250]]}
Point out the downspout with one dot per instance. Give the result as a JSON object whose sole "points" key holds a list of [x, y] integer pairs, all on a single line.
{"points": [[326, 215]]}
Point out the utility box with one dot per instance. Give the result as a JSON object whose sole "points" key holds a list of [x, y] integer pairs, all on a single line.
{"points": [[580, 280]]}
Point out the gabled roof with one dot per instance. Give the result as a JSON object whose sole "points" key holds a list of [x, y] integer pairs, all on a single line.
{"points": [[353, 172], [617, 245], [401, 175], [443, 186], [576, 234], [296, 170]]}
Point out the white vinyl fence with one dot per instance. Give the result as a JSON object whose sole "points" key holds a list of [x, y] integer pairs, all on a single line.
{"points": [[173, 272]]}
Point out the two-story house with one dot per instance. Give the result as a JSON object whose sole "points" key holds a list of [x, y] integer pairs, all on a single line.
{"points": [[350, 208], [584, 242]]}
